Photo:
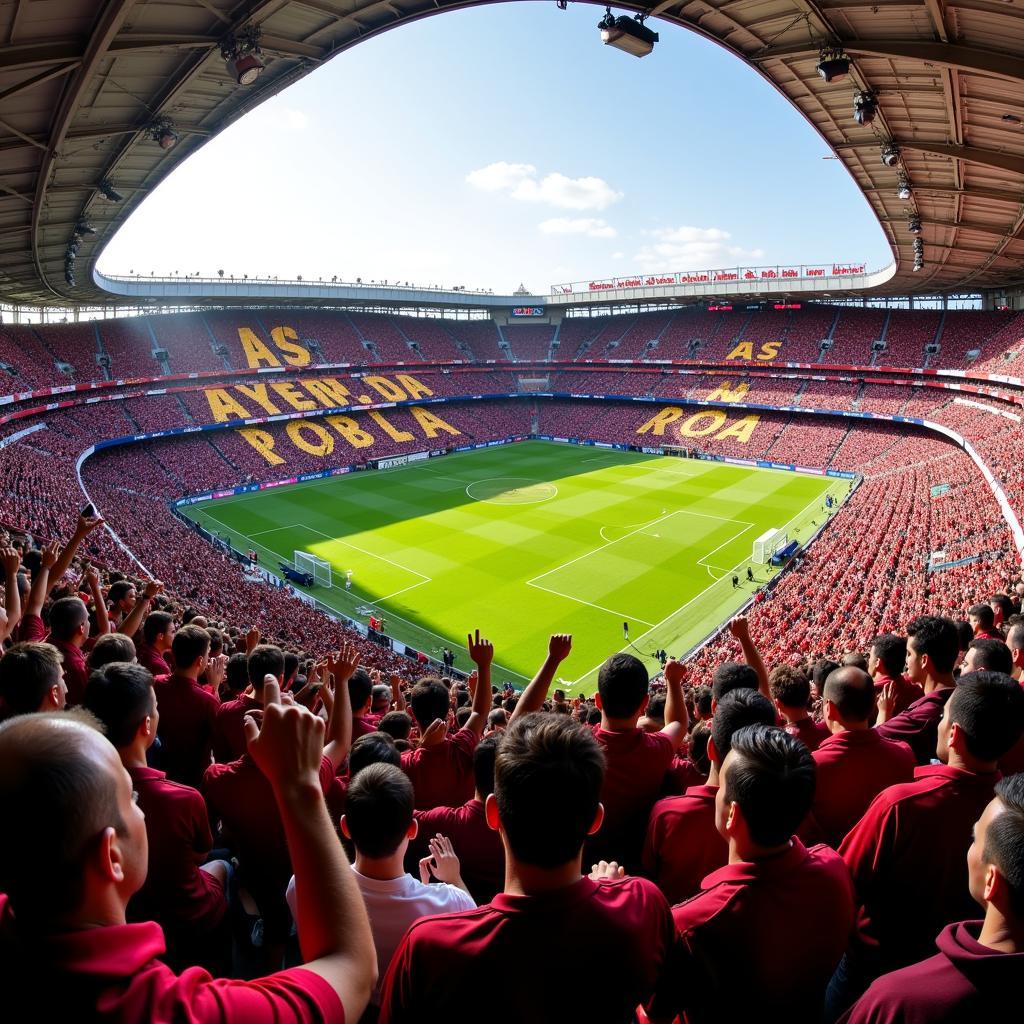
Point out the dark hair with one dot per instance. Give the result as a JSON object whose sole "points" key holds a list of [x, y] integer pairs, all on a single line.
{"points": [[622, 682], [372, 748], [216, 640], [702, 697], [397, 724], [964, 632], [656, 706], [992, 655], [378, 809], [699, 737], [1004, 840], [156, 623], [237, 674], [428, 701], [511, 703], [988, 707], [498, 717], [852, 691], [734, 711], [109, 648], [291, 665], [27, 673], [120, 695], [462, 716], [53, 790], [360, 687], [190, 644], [1015, 636], [264, 660], [548, 775], [119, 591], [733, 675], [891, 651], [483, 765], [823, 668], [771, 777], [854, 659], [984, 614], [789, 686], [66, 615], [936, 637], [1004, 602], [594, 716]]}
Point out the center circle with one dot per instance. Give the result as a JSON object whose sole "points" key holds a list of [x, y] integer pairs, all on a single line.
{"points": [[511, 490]]}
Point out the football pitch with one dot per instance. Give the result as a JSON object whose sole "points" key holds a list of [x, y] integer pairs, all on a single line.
{"points": [[530, 539]]}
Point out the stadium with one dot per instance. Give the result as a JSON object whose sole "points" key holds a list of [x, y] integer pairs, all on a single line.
{"points": [[761, 477]]}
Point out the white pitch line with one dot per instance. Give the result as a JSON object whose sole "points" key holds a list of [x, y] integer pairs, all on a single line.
{"points": [[601, 547], [589, 604], [372, 554], [703, 561], [387, 597]]}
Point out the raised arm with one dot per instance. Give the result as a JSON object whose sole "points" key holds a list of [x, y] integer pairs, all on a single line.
{"points": [[339, 717], [133, 620], [12, 596], [677, 720], [41, 579], [86, 524], [536, 692], [396, 693], [334, 931], [91, 579], [481, 651], [740, 628]]}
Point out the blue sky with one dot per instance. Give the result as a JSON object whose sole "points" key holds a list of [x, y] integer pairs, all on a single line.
{"points": [[501, 145]]}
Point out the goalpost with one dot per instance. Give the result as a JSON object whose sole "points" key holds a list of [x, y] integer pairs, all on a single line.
{"points": [[319, 567], [768, 544]]}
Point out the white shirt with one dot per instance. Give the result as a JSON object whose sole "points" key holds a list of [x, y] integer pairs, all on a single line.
{"points": [[394, 904]]}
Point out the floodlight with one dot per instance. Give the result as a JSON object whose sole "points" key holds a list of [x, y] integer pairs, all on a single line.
{"points": [[890, 154], [630, 35], [834, 65]]}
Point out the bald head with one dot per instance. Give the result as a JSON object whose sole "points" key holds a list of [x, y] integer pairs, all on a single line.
{"points": [[851, 692], [58, 793]]}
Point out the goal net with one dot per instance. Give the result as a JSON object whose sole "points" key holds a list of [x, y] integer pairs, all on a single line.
{"points": [[767, 544], [321, 569]]}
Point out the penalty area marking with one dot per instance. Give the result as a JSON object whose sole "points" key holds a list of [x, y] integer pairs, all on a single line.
{"points": [[529, 492]]}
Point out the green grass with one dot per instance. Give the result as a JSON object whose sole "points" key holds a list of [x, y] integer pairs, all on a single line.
{"points": [[534, 538]]}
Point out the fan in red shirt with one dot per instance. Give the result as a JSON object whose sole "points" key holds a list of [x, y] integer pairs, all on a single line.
{"points": [[31, 680], [69, 630], [229, 723], [67, 945], [855, 763], [886, 662], [983, 622], [187, 710], [932, 649], [1015, 641], [479, 847], [791, 692], [184, 895], [781, 910], [441, 767], [978, 969], [683, 845], [637, 761], [157, 639], [239, 794], [914, 837], [548, 776]]}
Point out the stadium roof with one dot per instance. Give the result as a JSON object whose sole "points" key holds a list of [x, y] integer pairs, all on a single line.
{"points": [[82, 83]]}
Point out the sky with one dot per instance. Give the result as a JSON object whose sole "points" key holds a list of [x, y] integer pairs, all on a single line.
{"points": [[500, 146]]}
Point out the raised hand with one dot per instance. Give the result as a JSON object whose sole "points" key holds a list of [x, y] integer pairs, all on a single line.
{"points": [[442, 863], [86, 524], [342, 664], [289, 745], [606, 869], [11, 560], [153, 587], [49, 554], [559, 646], [216, 670], [252, 638], [434, 733], [481, 650], [739, 627], [675, 672]]}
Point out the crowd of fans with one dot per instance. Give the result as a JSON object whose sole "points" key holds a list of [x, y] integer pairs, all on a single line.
{"points": [[219, 828]]}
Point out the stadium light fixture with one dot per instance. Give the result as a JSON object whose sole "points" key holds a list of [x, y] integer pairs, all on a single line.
{"points": [[241, 51], [865, 106], [904, 190], [833, 65], [83, 228], [914, 224], [630, 35], [890, 154], [108, 192], [162, 132]]}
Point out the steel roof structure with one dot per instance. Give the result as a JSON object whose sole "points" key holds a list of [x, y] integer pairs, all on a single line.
{"points": [[83, 83]]}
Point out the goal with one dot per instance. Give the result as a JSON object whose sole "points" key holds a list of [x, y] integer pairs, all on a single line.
{"points": [[321, 569], [767, 544]]}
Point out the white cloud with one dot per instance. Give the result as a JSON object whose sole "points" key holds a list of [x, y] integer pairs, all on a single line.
{"points": [[520, 181], [592, 227], [618, 255], [500, 176], [692, 248]]}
